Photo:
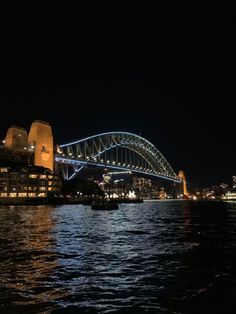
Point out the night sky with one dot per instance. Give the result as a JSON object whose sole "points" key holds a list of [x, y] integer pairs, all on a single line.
{"points": [[170, 79]]}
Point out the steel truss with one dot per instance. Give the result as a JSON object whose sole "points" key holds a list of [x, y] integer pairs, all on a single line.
{"points": [[117, 150]]}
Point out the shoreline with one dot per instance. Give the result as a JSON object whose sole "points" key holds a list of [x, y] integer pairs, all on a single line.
{"points": [[65, 201], [59, 201]]}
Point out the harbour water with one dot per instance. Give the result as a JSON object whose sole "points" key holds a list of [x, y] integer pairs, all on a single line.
{"points": [[151, 257]]}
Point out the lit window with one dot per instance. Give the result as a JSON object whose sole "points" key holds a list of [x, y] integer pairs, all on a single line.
{"points": [[43, 176], [42, 188], [22, 194], [12, 194], [31, 194], [33, 176], [41, 195], [3, 169], [3, 194]]}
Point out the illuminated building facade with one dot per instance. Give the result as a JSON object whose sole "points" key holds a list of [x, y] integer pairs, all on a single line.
{"points": [[25, 181], [234, 182], [38, 143], [16, 138], [40, 140], [230, 196], [26, 163]]}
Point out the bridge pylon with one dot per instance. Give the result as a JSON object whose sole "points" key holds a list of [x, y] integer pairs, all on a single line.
{"points": [[40, 139], [184, 190]]}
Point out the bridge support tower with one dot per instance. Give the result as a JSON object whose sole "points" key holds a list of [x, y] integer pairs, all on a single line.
{"points": [[40, 139], [16, 138], [184, 190]]}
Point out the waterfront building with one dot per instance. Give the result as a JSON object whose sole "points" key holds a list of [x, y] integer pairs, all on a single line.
{"points": [[25, 181], [38, 143], [234, 182], [230, 196], [26, 163]]}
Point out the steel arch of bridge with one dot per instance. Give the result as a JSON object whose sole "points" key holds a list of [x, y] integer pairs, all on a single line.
{"points": [[130, 152]]}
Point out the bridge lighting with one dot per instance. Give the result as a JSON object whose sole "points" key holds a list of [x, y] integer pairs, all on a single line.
{"points": [[117, 139]]}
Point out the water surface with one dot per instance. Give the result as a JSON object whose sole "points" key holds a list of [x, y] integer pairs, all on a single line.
{"points": [[155, 257]]}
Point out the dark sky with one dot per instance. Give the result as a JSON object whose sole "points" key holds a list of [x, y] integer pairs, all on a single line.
{"points": [[170, 77]]}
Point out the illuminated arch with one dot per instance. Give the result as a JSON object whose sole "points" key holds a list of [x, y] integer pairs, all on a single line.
{"points": [[91, 151]]}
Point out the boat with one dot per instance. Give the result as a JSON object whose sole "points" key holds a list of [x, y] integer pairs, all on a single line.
{"points": [[104, 205]]}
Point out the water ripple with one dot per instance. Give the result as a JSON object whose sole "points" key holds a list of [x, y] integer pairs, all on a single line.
{"points": [[153, 257]]}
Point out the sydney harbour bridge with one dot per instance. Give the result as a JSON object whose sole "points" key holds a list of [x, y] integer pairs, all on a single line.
{"points": [[114, 150], [120, 151]]}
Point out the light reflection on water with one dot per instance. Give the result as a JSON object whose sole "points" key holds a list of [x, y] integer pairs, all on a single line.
{"points": [[155, 257]]}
